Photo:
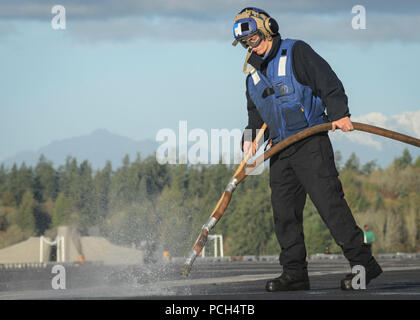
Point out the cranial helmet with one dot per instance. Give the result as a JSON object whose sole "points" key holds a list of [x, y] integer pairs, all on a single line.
{"points": [[251, 21]]}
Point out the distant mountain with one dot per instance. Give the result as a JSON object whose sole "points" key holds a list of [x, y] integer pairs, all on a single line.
{"points": [[97, 147], [101, 145]]}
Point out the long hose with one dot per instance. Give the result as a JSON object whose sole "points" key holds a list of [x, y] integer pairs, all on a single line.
{"points": [[244, 170]]}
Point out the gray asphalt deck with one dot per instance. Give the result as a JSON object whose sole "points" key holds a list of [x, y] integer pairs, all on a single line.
{"points": [[237, 280]]}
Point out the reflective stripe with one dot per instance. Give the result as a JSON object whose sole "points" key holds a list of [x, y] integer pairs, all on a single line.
{"points": [[282, 66], [255, 77]]}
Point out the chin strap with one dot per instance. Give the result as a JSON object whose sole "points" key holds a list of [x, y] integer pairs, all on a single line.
{"points": [[250, 69]]}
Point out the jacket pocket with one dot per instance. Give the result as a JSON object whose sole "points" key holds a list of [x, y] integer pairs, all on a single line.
{"points": [[281, 89], [327, 154], [294, 118]]}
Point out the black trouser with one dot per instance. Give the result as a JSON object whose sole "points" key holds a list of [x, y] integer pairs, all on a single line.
{"points": [[308, 167]]}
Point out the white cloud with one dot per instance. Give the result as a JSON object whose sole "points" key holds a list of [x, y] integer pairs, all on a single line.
{"points": [[370, 147], [373, 118], [407, 122], [363, 138], [196, 8], [326, 20]]}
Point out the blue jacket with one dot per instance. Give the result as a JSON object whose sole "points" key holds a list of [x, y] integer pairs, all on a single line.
{"points": [[284, 104]]}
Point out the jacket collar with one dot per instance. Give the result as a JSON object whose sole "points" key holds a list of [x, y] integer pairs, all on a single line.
{"points": [[259, 62]]}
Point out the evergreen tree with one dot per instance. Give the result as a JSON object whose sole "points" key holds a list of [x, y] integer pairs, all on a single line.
{"points": [[417, 163], [251, 224], [134, 178], [119, 186], [25, 213], [3, 179], [84, 195], [337, 159], [379, 203], [12, 189], [3, 219], [19, 181], [168, 204], [46, 181], [64, 213], [156, 176], [353, 163], [174, 225], [102, 185], [405, 160], [179, 177], [68, 177], [8, 199], [25, 181], [368, 167]]}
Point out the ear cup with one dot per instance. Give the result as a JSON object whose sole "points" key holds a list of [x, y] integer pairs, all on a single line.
{"points": [[271, 26]]}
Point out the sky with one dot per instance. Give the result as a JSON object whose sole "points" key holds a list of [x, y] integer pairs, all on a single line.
{"points": [[135, 67]]}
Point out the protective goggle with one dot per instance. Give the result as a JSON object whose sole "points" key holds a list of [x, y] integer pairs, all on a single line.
{"points": [[252, 40]]}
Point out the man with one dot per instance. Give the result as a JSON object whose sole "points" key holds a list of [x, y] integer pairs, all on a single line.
{"points": [[369, 236], [290, 87]]}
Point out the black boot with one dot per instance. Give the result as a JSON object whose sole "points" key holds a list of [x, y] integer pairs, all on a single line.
{"points": [[287, 283], [372, 271]]}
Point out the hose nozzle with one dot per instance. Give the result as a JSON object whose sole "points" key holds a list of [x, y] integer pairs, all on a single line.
{"points": [[188, 263], [185, 271]]}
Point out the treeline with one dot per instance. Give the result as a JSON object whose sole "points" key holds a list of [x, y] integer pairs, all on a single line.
{"points": [[168, 204]]}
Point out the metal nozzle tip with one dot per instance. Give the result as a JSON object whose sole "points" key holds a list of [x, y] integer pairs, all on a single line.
{"points": [[185, 270]]}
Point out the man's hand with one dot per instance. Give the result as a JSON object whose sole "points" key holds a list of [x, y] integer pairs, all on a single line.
{"points": [[247, 145], [344, 124]]}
